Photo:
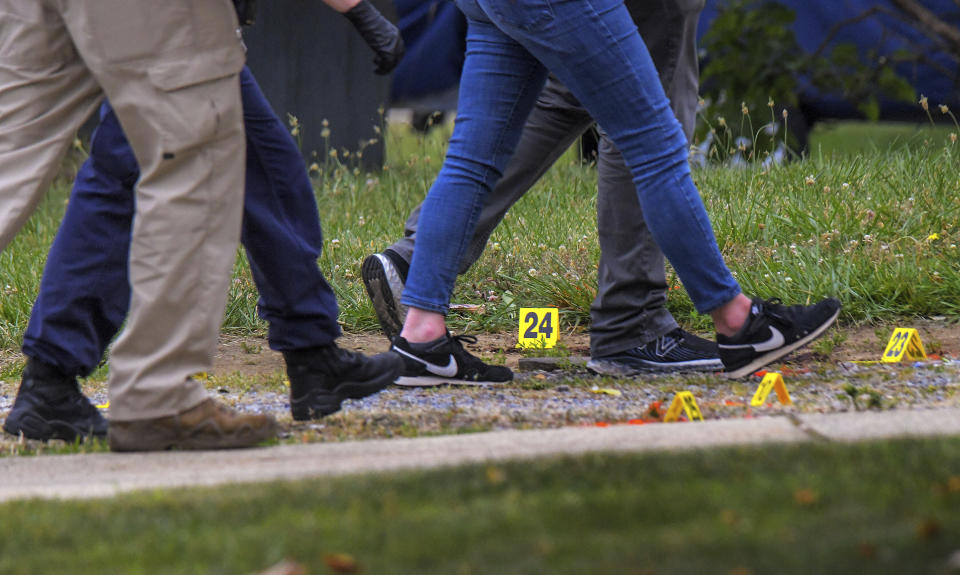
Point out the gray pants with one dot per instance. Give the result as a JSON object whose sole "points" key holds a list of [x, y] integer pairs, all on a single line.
{"points": [[632, 290]]}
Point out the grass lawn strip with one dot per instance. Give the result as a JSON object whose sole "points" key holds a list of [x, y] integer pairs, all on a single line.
{"points": [[883, 507]]}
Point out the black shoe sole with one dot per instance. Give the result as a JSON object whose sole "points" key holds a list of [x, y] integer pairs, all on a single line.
{"points": [[39, 429], [385, 304], [776, 354], [319, 403]]}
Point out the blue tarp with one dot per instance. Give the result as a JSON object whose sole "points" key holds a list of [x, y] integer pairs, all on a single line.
{"points": [[880, 32]]}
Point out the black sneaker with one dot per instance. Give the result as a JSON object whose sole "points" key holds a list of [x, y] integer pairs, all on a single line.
{"points": [[384, 275], [674, 351], [772, 331], [444, 360], [49, 405], [322, 377]]}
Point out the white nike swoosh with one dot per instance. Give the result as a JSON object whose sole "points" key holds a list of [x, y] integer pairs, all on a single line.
{"points": [[776, 340], [448, 370]]}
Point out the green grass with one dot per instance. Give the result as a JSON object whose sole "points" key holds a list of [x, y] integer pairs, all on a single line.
{"points": [[863, 508], [850, 138], [877, 228]]}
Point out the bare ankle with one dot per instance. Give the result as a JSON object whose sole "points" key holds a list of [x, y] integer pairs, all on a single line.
{"points": [[422, 326], [730, 317]]}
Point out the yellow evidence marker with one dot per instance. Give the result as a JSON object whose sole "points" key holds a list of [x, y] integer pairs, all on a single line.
{"points": [[538, 327], [686, 402], [104, 405], [771, 381], [904, 344]]}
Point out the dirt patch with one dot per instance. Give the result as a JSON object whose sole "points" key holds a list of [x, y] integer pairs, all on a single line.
{"points": [[251, 356]]}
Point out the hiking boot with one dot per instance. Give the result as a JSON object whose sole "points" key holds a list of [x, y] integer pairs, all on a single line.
{"points": [[772, 331], [384, 275], [677, 350], [322, 377], [208, 425], [49, 405], [444, 360]]}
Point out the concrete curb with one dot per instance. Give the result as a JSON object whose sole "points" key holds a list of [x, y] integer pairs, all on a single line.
{"points": [[107, 474]]}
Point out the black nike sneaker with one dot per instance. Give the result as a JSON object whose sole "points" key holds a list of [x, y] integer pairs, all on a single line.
{"points": [[772, 331], [443, 361], [677, 350]]}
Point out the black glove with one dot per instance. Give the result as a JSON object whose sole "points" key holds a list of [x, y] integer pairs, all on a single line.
{"points": [[379, 33]]}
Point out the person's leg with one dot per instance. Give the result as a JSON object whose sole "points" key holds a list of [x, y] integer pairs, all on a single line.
{"points": [[555, 123], [45, 95], [83, 295], [281, 232], [683, 87], [283, 239], [499, 87], [631, 329], [84, 292], [593, 47], [171, 73]]}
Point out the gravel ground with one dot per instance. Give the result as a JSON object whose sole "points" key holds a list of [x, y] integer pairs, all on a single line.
{"points": [[251, 377]]}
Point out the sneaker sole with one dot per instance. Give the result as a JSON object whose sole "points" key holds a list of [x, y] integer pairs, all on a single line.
{"points": [[380, 277], [618, 369], [776, 354], [434, 381]]}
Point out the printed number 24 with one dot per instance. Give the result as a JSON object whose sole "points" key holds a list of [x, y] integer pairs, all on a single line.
{"points": [[544, 329], [899, 342]]}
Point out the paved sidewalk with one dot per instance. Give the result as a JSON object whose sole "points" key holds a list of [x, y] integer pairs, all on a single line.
{"points": [[106, 474]]}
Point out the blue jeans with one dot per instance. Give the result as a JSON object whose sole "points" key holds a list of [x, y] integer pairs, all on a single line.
{"points": [[85, 291], [593, 47]]}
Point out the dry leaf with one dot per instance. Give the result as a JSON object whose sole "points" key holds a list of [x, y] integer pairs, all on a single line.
{"points": [[928, 529], [341, 563], [805, 497]]}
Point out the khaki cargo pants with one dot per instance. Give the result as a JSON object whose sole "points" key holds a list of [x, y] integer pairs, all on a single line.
{"points": [[170, 69]]}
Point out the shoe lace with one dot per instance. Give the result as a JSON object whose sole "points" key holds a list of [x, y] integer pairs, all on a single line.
{"points": [[471, 339], [471, 361], [666, 342], [774, 308]]}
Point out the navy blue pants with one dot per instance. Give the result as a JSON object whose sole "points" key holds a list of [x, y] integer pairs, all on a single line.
{"points": [[85, 290]]}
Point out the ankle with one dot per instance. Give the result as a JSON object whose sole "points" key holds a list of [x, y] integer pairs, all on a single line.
{"points": [[422, 326], [730, 317], [48, 373]]}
